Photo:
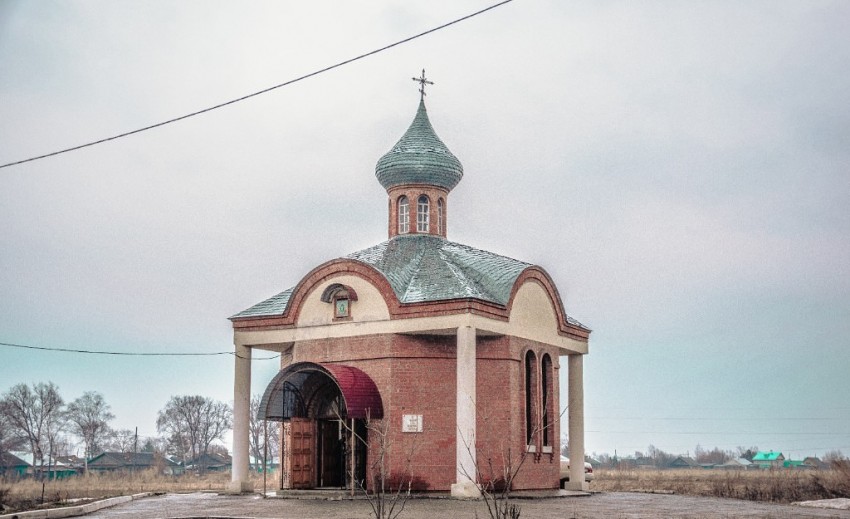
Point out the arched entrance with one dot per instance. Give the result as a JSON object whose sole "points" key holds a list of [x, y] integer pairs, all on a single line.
{"points": [[320, 405]]}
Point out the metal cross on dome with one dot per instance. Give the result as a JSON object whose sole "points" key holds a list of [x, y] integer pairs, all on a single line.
{"points": [[422, 82]]}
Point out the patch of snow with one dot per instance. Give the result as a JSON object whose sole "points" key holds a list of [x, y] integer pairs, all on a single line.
{"points": [[834, 504]]}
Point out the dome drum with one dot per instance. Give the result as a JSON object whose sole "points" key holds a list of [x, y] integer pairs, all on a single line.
{"points": [[432, 222]]}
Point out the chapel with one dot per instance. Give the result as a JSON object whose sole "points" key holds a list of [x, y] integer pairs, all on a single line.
{"points": [[438, 357]]}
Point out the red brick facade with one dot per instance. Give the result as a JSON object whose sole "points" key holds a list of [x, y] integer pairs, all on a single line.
{"points": [[417, 375]]}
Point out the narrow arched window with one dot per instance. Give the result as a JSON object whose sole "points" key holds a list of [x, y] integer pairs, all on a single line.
{"points": [[440, 221], [530, 396], [403, 215], [546, 403], [423, 214]]}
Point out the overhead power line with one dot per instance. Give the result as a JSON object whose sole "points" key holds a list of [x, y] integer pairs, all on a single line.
{"points": [[263, 91], [134, 353]]}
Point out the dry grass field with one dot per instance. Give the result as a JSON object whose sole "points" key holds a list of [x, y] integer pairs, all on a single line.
{"points": [[27, 494], [778, 486]]}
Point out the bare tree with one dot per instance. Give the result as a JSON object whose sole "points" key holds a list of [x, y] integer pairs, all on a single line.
{"points": [[179, 421], [834, 456], [215, 420], [193, 423], [257, 435], [153, 445], [219, 449], [122, 440], [10, 437], [748, 453], [54, 429], [660, 459], [177, 445], [715, 456], [32, 412], [89, 417]]}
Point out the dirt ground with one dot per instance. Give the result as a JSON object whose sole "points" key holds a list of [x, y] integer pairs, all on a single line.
{"points": [[618, 505]]}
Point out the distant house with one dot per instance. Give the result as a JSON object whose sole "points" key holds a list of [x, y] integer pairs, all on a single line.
{"points": [[768, 459], [816, 463], [60, 467], [684, 462], [131, 462], [796, 464], [211, 463], [256, 464], [70, 461], [644, 462], [12, 467], [736, 464]]}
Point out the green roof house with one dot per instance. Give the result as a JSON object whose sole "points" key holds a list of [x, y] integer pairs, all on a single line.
{"points": [[684, 462], [768, 459], [11, 466], [133, 462], [797, 464]]}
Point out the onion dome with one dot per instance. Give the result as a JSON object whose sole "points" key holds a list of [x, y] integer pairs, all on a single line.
{"points": [[419, 157]]}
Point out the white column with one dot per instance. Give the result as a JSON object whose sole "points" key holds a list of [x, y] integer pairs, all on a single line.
{"points": [[464, 485], [576, 422], [241, 409]]}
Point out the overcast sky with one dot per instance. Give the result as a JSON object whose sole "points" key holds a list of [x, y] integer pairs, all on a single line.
{"points": [[681, 169]]}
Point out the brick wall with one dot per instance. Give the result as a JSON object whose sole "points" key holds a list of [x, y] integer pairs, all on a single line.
{"points": [[417, 375], [413, 192]]}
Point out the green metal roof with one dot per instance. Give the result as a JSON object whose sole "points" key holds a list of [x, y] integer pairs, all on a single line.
{"points": [[424, 268], [419, 157], [766, 456], [272, 306]]}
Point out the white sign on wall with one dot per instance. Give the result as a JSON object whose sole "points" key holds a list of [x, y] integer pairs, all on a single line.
{"points": [[411, 423]]}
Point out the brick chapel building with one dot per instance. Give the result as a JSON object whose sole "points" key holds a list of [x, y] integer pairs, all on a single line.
{"points": [[454, 352]]}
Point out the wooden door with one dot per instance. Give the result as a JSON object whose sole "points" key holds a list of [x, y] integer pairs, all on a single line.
{"points": [[302, 453]]}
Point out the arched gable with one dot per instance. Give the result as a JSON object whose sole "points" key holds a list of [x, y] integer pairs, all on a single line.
{"points": [[536, 305], [368, 305], [375, 297]]}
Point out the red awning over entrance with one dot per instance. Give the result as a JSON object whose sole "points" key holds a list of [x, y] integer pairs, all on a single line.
{"points": [[359, 390], [291, 392]]}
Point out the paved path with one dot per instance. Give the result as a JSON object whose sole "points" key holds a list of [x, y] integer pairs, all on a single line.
{"points": [[618, 505]]}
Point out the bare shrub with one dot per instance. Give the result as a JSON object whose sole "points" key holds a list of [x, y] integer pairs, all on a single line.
{"points": [[387, 492], [4, 493], [836, 482]]}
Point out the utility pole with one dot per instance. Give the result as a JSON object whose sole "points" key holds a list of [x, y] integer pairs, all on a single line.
{"points": [[135, 448]]}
